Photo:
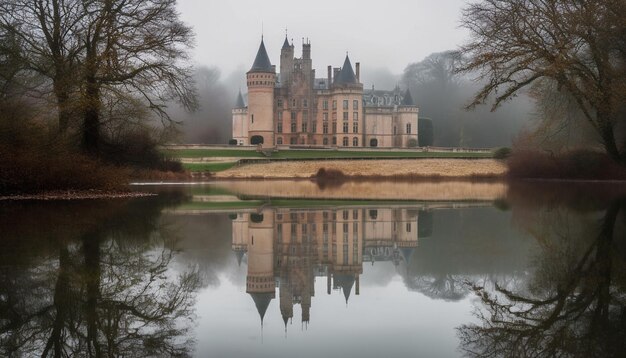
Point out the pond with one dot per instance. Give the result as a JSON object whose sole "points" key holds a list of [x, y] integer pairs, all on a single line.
{"points": [[272, 269]]}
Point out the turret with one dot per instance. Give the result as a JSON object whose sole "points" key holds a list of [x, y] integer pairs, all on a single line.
{"points": [[261, 82], [240, 121]]}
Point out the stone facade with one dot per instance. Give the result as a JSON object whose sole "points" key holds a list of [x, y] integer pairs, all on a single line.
{"points": [[296, 108]]}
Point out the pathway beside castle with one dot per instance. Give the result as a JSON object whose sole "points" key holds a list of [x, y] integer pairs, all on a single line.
{"points": [[410, 168]]}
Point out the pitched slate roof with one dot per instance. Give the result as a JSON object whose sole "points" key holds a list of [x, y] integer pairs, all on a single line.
{"points": [[286, 43], [346, 75], [408, 100], [262, 61]]}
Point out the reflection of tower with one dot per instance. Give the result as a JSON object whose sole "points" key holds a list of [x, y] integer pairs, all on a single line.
{"points": [[295, 260], [390, 234], [239, 241], [260, 281]]}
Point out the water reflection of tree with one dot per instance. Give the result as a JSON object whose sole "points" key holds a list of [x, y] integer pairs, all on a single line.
{"points": [[104, 289], [574, 306]]}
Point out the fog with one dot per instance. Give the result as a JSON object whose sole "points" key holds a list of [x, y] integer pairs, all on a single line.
{"points": [[389, 39]]}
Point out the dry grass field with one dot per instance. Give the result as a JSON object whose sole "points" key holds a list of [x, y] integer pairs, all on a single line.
{"points": [[409, 168]]}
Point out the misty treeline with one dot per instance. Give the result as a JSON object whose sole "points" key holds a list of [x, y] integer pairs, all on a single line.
{"points": [[211, 122], [93, 75], [442, 94]]}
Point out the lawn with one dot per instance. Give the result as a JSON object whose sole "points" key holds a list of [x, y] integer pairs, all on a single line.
{"points": [[207, 153], [208, 167]]}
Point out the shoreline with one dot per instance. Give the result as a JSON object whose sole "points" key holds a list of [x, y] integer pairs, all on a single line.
{"points": [[64, 195]]}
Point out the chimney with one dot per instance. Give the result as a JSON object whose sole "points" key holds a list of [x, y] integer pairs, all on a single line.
{"points": [[336, 72], [330, 76], [306, 51], [358, 72]]}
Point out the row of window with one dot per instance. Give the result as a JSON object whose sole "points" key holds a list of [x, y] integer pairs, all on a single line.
{"points": [[305, 103], [305, 116], [293, 127], [345, 141]]}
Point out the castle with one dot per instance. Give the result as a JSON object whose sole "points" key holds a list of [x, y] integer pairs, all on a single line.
{"points": [[294, 107]]}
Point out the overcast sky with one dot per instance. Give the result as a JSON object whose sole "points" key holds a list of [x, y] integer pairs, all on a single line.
{"points": [[381, 34]]}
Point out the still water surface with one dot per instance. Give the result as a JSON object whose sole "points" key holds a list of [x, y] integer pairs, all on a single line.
{"points": [[294, 269]]}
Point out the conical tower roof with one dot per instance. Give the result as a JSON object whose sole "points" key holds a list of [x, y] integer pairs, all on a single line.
{"points": [[240, 102], [261, 301], [407, 252], [408, 99], [262, 61], [346, 75]]}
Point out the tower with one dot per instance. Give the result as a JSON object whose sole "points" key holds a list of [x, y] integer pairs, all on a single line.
{"points": [[261, 82], [260, 282], [406, 122], [240, 122]]}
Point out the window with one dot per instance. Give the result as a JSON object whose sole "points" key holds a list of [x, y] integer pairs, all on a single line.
{"points": [[292, 141], [305, 116], [325, 130], [395, 130], [335, 104], [334, 140], [345, 141], [293, 127], [345, 104], [304, 126], [279, 127], [280, 115], [355, 215], [334, 116], [325, 104], [325, 116], [279, 102], [345, 116], [373, 214], [345, 215], [355, 127], [294, 102], [305, 103], [252, 117], [325, 141], [373, 142], [314, 126], [355, 116], [408, 128], [355, 104], [334, 127], [345, 127], [355, 142], [294, 115], [279, 140], [408, 227]]}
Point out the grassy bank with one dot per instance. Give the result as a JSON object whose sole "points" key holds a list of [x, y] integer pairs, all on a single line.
{"points": [[316, 154]]}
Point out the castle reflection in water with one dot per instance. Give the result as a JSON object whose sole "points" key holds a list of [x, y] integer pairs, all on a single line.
{"points": [[288, 248]]}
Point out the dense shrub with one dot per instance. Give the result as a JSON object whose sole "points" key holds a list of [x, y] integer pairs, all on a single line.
{"points": [[502, 153], [232, 142], [412, 143], [425, 132], [577, 165], [140, 150], [31, 171]]}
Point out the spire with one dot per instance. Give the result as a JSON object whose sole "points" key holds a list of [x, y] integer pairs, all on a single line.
{"points": [[240, 104], [408, 100], [239, 253], [346, 75], [407, 252], [262, 61], [345, 281], [286, 44]]}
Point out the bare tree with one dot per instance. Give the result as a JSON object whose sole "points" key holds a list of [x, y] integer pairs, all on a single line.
{"points": [[578, 44], [94, 49]]}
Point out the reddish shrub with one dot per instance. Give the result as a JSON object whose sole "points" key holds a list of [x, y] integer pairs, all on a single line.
{"points": [[577, 165]]}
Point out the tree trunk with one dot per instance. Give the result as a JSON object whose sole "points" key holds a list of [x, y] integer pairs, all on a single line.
{"points": [[91, 252], [608, 141], [62, 96], [91, 121]]}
